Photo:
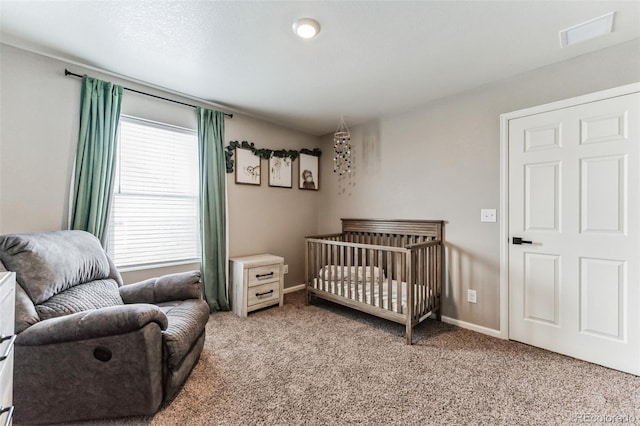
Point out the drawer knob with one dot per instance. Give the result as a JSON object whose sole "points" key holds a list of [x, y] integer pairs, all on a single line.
{"points": [[263, 276], [265, 293], [7, 351]]}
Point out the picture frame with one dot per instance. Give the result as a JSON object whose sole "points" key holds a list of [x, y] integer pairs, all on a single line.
{"points": [[247, 167], [308, 172], [280, 172]]}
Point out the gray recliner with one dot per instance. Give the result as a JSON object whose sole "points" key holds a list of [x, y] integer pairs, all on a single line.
{"points": [[88, 347]]}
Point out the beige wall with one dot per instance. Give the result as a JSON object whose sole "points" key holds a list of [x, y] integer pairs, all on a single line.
{"points": [[437, 162], [442, 162], [39, 114], [269, 219]]}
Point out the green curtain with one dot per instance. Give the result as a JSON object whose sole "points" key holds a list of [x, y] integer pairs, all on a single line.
{"points": [[213, 208], [95, 156]]}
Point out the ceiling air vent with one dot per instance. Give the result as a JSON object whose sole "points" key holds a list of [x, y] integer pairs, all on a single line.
{"points": [[587, 30]]}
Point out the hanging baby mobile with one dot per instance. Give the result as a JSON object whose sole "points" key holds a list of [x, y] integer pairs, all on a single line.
{"points": [[342, 149]]}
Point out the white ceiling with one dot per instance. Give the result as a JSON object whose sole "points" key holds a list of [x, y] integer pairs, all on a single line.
{"points": [[371, 58]]}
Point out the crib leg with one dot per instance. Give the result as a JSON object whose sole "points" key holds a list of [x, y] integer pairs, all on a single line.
{"points": [[307, 297], [409, 333]]}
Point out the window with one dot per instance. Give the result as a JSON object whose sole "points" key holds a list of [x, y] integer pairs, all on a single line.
{"points": [[154, 213]]}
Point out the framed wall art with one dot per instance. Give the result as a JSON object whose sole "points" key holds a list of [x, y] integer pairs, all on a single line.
{"points": [[247, 167], [280, 172], [308, 172]]}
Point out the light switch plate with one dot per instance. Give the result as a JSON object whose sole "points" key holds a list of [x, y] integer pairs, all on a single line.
{"points": [[487, 215]]}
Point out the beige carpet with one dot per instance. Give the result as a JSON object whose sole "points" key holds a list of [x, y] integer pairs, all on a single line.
{"points": [[328, 365]]}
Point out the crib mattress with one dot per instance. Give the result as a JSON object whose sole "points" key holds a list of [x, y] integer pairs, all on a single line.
{"points": [[362, 291]]}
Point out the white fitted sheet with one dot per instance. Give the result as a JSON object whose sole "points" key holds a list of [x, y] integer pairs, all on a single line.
{"points": [[361, 291]]}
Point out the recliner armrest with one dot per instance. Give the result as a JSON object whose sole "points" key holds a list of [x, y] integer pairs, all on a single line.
{"points": [[91, 324], [180, 286]]}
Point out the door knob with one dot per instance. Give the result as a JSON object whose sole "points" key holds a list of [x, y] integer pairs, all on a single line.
{"points": [[518, 241]]}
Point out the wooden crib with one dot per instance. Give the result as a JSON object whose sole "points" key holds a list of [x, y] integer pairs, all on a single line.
{"points": [[368, 265]]}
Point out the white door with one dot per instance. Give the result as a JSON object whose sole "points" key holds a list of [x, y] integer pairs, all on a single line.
{"points": [[574, 192]]}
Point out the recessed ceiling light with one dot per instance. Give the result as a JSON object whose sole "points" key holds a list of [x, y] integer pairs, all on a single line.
{"points": [[306, 27], [587, 30]]}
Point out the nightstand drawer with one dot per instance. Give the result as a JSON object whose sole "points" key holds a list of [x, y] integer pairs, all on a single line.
{"points": [[264, 274], [263, 293]]}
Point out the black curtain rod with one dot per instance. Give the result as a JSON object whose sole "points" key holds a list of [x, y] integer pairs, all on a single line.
{"points": [[67, 73]]}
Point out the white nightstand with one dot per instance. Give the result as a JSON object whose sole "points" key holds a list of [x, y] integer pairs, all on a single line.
{"points": [[257, 282]]}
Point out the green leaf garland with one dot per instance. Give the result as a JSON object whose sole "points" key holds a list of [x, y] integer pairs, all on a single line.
{"points": [[264, 153]]}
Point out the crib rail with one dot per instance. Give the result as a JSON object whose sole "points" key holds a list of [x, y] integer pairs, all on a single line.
{"points": [[397, 277]]}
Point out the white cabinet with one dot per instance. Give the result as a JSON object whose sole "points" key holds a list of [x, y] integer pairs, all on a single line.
{"points": [[257, 282], [7, 337]]}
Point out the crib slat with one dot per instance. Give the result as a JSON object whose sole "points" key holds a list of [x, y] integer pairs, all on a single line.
{"points": [[390, 284], [324, 263], [319, 264], [428, 302], [338, 261], [437, 250], [327, 257], [362, 283], [356, 262], [308, 261], [436, 278], [334, 287], [415, 264], [316, 265], [419, 282], [400, 289], [427, 266], [339, 270], [380, 280], [349, 272], [371, 266], [409, 315], [440, 273], [430, 251], [343, 275], [424, 279]]}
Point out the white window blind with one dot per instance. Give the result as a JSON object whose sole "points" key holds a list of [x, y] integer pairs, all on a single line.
{"points": [[154, 214]]}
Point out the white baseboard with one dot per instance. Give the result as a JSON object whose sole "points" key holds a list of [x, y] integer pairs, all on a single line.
{"points": [[453, 321], [473, 327], [293, 288]]}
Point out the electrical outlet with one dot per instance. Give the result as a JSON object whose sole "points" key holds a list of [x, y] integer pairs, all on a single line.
{"points": [[487, 215], [285, 269], [472, 296]]}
